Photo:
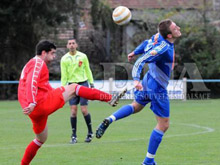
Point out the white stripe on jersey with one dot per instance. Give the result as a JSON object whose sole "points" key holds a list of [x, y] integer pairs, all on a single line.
{"points": [[35, 76], [140, 60], [137, 64]]}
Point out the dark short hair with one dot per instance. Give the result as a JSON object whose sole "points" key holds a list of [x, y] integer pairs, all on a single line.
{"points": [[164, 27], [71, 39], [44, 46]]}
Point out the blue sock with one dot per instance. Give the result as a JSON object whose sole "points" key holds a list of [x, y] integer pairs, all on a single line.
{"points": [[155, 139], [121, 113]]}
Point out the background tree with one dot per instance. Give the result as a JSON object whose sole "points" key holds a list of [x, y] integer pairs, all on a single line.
{"points": [[23, 23]]}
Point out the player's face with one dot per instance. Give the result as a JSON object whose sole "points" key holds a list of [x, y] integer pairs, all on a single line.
{"points": [[72, 45], [50, 56], [175, 30]]}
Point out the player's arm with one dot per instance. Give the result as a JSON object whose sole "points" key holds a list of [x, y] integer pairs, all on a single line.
{"points": [[63, 69], [136, 72], [156, 52], [152, 55], [88, 72], [33, 77], [138, 50]]}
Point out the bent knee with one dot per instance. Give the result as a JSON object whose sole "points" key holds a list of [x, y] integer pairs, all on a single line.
{"points": [[69, 92], [42, 139], [165, 126], [71, 87], [137, 107]]}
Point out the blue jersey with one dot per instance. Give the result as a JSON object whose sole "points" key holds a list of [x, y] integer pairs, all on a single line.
{"points": [[159, 53]]}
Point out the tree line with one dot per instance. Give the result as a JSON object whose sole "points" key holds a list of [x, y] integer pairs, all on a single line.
{"points": [[24, 22]]}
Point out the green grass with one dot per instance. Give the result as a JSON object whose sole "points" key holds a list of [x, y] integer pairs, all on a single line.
{"points": [[192, 139]]}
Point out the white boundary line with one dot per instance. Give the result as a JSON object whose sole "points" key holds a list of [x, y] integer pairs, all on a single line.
{"points": [[205, 130]]}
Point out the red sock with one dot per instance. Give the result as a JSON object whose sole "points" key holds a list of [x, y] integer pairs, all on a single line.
{"points": [[30, 152], [92, 93]]}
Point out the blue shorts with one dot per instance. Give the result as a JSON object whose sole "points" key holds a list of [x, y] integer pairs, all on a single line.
{"points": [[76, 100], [153, 92]]}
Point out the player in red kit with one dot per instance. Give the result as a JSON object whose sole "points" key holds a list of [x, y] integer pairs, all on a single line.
{"points": [[38, 99]]}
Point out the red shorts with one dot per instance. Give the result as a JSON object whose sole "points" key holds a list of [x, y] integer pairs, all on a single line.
{"points": [[52, 102]]}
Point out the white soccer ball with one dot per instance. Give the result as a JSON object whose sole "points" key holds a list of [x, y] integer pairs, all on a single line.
{"points": [[121, 15]]}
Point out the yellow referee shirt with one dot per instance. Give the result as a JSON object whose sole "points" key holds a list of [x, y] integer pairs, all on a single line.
{"points": [[75, 68]]}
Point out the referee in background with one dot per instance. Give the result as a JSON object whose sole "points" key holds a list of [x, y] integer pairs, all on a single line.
{"points": [[75, 69]]}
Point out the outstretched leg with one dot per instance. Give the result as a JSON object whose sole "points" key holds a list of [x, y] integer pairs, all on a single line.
{"points": [[123, 112], [91, 94]]}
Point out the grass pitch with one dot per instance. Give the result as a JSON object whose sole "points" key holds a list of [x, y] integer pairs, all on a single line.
{"points": [[192, 139]]}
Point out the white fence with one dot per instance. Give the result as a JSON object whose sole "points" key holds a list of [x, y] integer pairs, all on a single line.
{"points": [[176, 88]]}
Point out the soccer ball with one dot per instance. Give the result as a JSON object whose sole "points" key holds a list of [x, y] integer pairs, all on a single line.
{"points": [[121, 15]]}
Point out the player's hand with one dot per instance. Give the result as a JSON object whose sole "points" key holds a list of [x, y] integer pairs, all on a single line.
{"points": [[138, 85], [130, 56], [29, 109], [92, 86]]}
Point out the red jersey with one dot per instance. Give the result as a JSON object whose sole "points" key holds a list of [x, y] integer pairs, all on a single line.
{"points": [[34, 82]]}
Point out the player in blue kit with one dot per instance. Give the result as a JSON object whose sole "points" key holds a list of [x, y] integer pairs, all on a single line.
{"points": [[159, 53]]}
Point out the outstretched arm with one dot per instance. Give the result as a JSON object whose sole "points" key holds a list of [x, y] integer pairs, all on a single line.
{"points": [[131, 56], [152, 55], [138, 50]]}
